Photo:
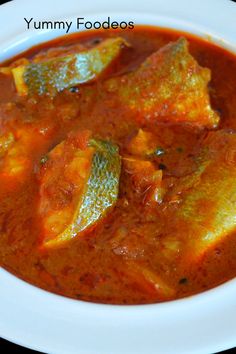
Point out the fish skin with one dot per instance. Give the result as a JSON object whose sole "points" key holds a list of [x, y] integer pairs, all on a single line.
{"points": [[99, 194], [57, 74], [102, 185]]}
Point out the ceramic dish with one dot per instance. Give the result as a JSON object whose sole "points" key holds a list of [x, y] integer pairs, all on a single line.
{"points": [[32, 317]]}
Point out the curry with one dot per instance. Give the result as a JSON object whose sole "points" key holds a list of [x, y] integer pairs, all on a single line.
{"points": [[118, 165]]}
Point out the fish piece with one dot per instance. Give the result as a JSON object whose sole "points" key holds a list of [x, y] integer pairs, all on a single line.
{"points": [[207, 209], [79, 186], [5, 70], [146, 179], [54, 75], [148, 281], [169, 86], [16, 150], [142, 144], [6, 141]]}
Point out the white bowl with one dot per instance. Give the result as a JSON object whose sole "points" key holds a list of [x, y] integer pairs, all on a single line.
{"points": [[204, 323]]}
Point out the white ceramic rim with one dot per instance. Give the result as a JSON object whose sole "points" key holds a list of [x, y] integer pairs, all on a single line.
{"points": [[32, 317]]}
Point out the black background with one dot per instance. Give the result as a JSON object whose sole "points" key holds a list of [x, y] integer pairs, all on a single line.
{"points": [[8, 347]]}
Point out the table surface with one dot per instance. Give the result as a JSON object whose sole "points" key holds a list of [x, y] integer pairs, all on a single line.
{"points": [[12, 348], [8, 347]]}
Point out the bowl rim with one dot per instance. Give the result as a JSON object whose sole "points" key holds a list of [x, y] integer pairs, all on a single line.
{"points": [[48, 307]]}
